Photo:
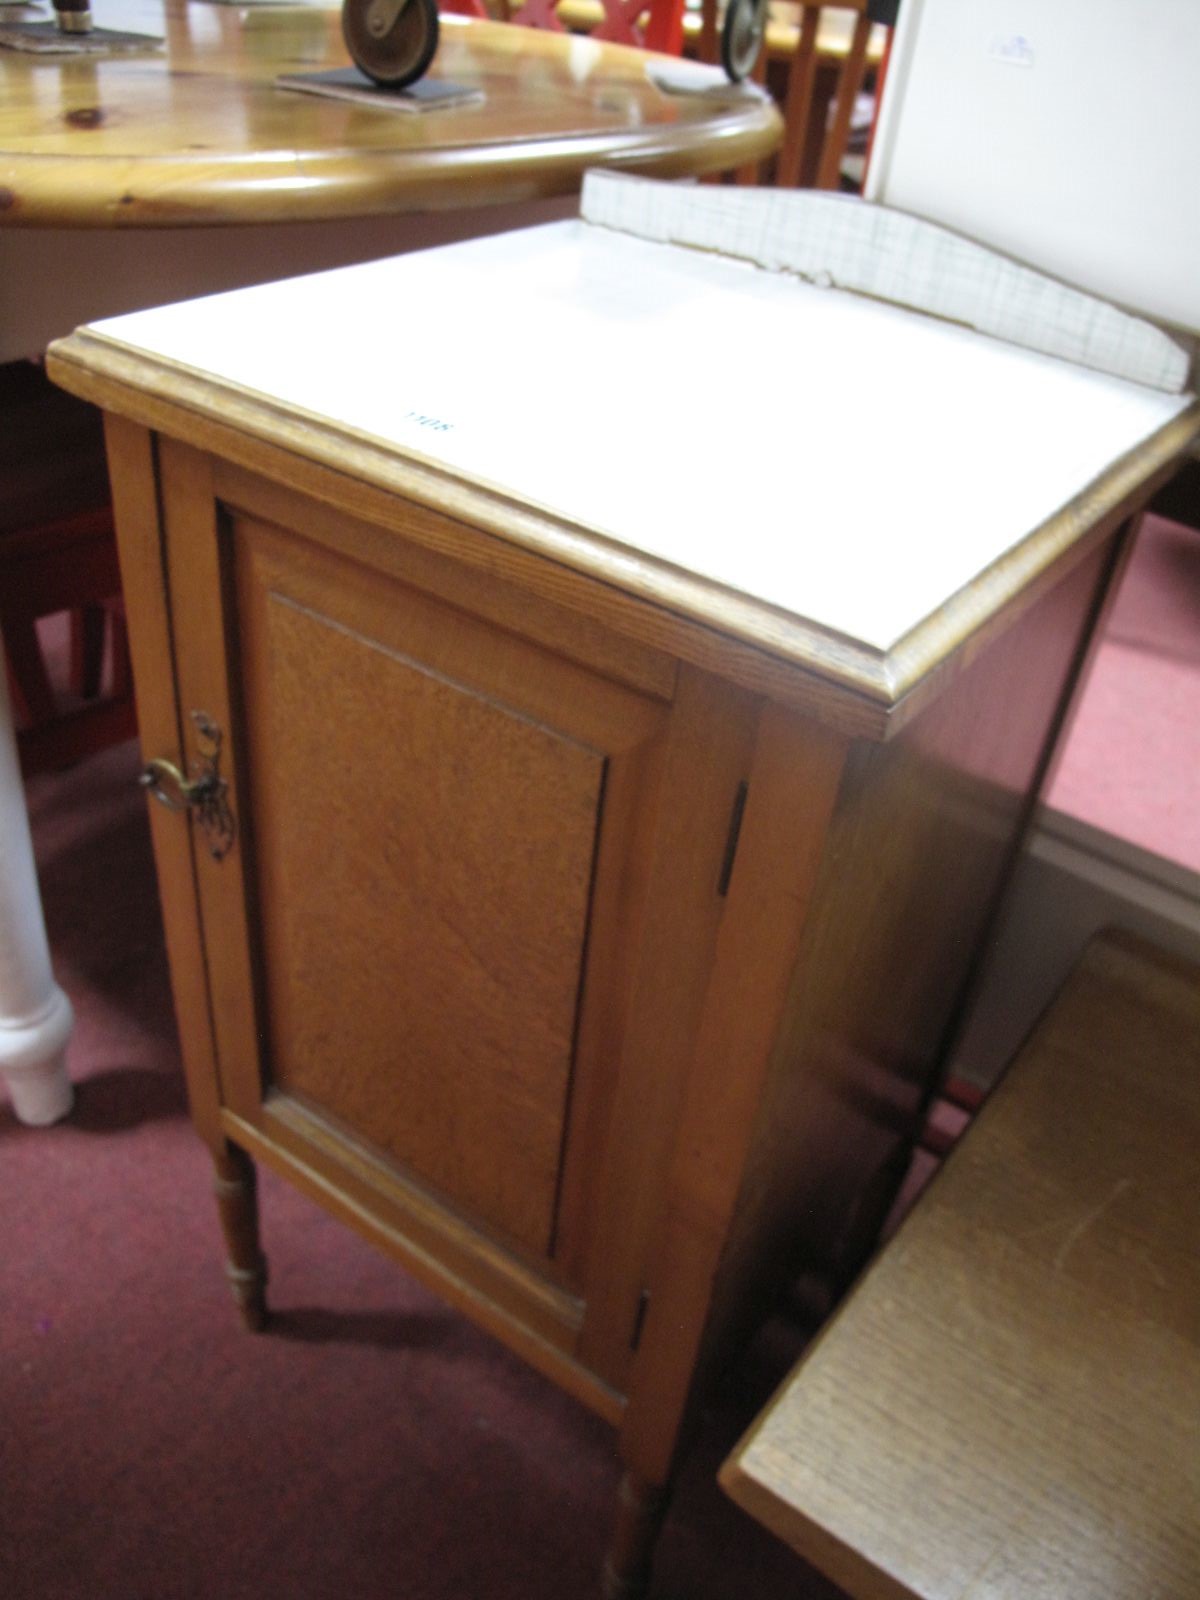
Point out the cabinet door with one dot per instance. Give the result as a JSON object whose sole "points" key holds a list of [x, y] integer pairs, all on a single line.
{"points": [[416, 946]]}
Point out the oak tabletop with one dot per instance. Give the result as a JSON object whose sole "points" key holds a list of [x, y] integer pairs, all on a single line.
{"points": [[1006, 1405], [196, 131]]}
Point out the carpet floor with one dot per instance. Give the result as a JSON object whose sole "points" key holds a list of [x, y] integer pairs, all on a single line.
{"points": [[1132, 761]]}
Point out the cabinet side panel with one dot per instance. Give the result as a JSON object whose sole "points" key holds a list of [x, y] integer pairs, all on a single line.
{"points": [[925, 830]]}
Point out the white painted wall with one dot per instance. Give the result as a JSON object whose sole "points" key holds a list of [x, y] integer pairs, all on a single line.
{"points": [[1064, 131], [1072, 881]]}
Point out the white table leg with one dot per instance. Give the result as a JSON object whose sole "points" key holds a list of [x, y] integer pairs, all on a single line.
{"points": [[35, 1015]]}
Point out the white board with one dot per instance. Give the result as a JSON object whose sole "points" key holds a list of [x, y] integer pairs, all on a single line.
{"points": [[1066, 132]]}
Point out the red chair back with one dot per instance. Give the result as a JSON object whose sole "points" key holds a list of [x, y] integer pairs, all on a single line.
{"points": [[620, 24]]}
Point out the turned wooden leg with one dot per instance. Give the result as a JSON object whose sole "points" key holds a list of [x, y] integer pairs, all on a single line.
{"points": [[236, 1188], [641, 1508]]}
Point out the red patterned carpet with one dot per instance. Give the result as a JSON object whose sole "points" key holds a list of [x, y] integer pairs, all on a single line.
{"points": [[1132, 766]]}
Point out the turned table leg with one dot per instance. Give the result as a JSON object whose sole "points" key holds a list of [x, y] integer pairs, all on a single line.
{"points": [[641, 1508], [35, 1015], [236, 1187]]}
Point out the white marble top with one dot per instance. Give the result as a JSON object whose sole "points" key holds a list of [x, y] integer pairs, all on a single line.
{"points": [[847, 462]]}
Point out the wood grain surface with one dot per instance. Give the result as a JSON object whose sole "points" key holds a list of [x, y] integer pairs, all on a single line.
{"points": [[428, 1001], [198, 132], [1006, 1405]]}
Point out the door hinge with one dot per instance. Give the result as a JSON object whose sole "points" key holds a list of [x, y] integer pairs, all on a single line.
{"points": [[731, 842]]}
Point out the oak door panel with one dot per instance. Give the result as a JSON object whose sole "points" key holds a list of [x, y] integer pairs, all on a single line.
{"points": [[424, 858], [428, 999]]}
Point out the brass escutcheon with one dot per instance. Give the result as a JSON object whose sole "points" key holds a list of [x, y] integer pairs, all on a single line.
{"points": [[205, 792]]}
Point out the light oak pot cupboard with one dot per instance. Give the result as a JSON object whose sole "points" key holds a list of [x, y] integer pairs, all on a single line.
{"points": [[584, 934]]}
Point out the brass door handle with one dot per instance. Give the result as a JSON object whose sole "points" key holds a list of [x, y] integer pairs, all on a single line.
{"points": [[170, 788], [205, 792]]}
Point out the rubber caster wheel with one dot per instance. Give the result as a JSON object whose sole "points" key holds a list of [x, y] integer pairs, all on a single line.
{"points": [[742, 37], [392, 41]]}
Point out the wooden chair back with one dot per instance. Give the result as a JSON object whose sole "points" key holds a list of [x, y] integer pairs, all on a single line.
{"points": [[619, 23], [802, 103], [58, 553], [817, 71]]}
